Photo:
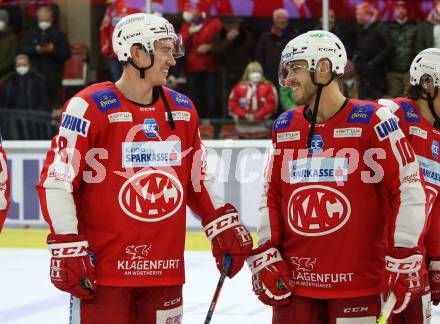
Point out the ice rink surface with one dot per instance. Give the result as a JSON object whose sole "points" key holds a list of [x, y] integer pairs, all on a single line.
{"points": [[27, 296]]}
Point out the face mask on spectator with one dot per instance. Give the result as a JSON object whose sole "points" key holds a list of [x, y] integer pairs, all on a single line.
{"points": [[44, 25], [188, 16], [2, 25], [22, 70], [255, 77]]}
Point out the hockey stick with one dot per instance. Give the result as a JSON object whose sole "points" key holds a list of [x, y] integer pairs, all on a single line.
{"points": [[227, 260], [386, 309]]}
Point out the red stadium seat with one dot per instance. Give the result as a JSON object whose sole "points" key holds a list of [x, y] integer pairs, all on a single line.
{"points": [[228, 132], [207, 131], [75, 68]]}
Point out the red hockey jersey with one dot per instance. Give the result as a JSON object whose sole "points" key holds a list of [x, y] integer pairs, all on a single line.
{"points": [[117, 173], [425, 140], [326, 208], [4, 186]]}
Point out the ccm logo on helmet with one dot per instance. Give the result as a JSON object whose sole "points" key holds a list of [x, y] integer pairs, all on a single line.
{"points": [[326, 49], [131, 36]]}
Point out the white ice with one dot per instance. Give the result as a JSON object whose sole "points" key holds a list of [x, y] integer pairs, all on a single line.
{"points": [[27, 297]]}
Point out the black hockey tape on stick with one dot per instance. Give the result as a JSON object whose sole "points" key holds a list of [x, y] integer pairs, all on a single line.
{"points": [[227, 261]]}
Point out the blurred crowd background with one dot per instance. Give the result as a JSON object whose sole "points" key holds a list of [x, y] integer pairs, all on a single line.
{"points": [[51, 49]]}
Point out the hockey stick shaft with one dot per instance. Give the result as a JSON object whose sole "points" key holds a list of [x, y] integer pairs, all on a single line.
{"points": [[227, 260], [387, 309]]}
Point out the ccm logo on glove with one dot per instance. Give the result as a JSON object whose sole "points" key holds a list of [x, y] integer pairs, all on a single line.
{"points": [[411, 265], [69, 250], [221, 224], [256, 263]]}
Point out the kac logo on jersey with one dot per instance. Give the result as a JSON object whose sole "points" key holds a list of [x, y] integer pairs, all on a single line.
{"points": [[316, 144], [361, 114], [151, 196], [410, 112], [435, 149], [385, 128], [151, 129], [317, 210], [180, 99], [75, 124], [106, 100], [283, 121]]}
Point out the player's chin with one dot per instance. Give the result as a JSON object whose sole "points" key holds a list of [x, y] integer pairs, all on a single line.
{"points": [[161, 82], [300, 100]]}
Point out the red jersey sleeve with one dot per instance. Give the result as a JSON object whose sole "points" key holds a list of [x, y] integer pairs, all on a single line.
{"points": [[234, 102], [66, 159], [270, 104], [4, 187], [202, 195], [270, 227], [401, 179]]}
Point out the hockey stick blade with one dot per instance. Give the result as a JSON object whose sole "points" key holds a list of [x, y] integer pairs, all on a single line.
{"points": [[387, 309], [227, 261]]}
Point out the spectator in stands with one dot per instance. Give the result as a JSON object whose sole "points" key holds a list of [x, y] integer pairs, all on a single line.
{"points": [[15, 14], [24, 88], [233, 49], [348, 82], [373, 48], [198, 33], [403, 36], [271, 44], [8, 44], [115, 12], [252, 101], [428, 34], [48, 49], [345, 33]]}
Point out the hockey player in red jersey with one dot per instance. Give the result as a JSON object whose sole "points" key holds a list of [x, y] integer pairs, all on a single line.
{"points": [[418, 115], [126, 162], [4, 186], [341, 182]]}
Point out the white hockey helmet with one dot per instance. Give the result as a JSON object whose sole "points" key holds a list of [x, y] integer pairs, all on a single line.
{"points": [[312, 47], [426, 64], [144, 29]]}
